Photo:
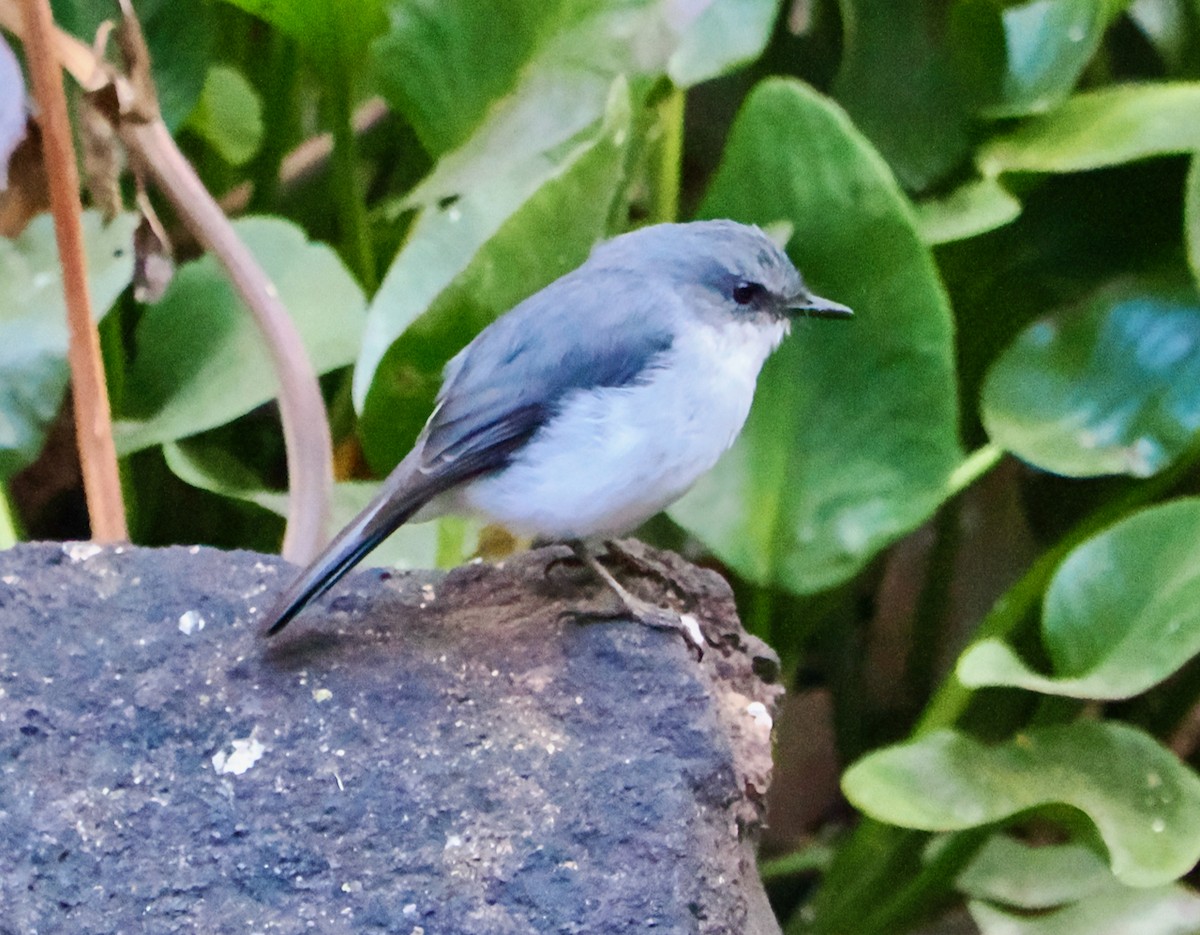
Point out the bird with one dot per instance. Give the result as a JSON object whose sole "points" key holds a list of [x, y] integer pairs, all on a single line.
{"points": [[593, 404]]}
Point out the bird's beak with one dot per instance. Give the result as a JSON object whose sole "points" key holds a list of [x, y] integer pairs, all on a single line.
{"points": [[813, 306]]}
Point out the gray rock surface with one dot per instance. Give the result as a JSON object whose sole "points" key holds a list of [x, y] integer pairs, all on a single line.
{"points": [[419, 753]]}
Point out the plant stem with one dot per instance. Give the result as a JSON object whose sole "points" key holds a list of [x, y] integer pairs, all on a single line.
{"points": [[925, 643], [670, 156], [306, 429], [812, 855], [10, 533], [1013, 608], [93, 419], [280, 80], [873, 859], [356, 235], [302, 410], [973, 467]]}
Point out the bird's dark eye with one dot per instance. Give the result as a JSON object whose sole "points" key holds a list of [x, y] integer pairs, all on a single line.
{"points": [[746, 292]]}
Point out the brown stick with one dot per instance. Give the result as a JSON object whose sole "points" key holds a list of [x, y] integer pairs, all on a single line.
{"points": [[93, 420], [305, 425], [306, 429]]}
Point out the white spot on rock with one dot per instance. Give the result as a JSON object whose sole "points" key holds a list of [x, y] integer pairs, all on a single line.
{"points": [[243, 754], [191, 622], [759, 713], [80, 551]]}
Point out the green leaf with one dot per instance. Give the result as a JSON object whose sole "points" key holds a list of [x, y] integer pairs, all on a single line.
{"points": [[33, 324], [1101, 128], [1143, 802], [1122, 612], [1112, 388], [200, 361], [897, 83], [1161, 910], [853, 433], [1009, 871], [1042, 47], [414, 545], [335, 33], [443, 62], [469, 259], [229, 115], [729, 33], [472, 91], [974, 208]]}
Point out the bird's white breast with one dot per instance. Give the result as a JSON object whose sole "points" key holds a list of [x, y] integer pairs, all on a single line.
{"points": [[614, 457]]}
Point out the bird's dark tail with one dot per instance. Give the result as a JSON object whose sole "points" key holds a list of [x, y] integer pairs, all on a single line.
{"points": [[404, 492]]}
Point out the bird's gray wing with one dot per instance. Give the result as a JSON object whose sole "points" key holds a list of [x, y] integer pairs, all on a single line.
{"points": [[604, 330], [497, 393]]}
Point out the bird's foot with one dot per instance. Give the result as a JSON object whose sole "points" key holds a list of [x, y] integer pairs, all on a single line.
{"points": [[650, 615], [644, 612], [567, 561], [631, 557]]}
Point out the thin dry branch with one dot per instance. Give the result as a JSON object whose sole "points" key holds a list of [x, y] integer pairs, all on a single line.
{"points": [[153, 151], [93, 418]]}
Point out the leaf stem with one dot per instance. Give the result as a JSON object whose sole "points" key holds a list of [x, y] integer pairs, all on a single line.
{"points": [[925, 648], [93, 418], [670, 155], [973, 467], [280, 81], [356, 235], [875, 857], [815, 855], [1007, 615], [10, 533]]}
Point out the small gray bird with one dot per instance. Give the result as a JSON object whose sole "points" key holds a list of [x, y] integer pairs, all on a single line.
{"points": [[595, 403]]}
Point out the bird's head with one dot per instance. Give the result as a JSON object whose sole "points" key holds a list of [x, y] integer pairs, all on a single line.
{"points": [[725, 269]]}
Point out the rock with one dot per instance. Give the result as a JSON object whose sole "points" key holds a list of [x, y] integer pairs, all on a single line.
{"points": [[418, 753]]}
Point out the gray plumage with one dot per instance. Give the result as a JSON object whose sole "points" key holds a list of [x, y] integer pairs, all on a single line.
{"points": [[608, 331]]}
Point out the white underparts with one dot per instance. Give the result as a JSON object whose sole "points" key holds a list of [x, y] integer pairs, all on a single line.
{"points": [[613, 457]]}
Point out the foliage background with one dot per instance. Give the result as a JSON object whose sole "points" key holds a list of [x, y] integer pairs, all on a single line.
{"points": [[963, 520]]}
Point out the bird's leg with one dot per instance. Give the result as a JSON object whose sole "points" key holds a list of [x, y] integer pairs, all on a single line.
{"points": [[643, 611], [648, 567], [568, 558]]}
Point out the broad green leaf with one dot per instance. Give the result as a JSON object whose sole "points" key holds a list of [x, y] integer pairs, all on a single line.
{"points": [[1075, 878], [897, 83], [468, 260], [1009, 871], [853, 434], [442, 63], [1144, 803], [1160, 910], [473, 91], [415, 545], [229, 115], [1042, 46], [974, 208], [1101, 128], [33, 324], [1112, 388], [727, 34], [1122, 612], [201, 362]]}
